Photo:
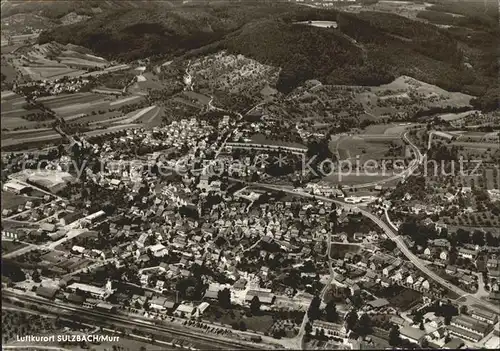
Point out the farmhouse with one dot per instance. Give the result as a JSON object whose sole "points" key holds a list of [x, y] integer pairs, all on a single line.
{"points": [[454, 344]]}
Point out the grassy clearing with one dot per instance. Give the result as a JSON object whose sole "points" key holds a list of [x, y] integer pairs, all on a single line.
{"points": [[261, 323]]}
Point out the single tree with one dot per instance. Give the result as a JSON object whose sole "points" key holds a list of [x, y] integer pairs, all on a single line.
{"points": [[255, 305], [394, 339]]}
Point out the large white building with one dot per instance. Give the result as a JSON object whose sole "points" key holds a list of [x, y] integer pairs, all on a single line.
{"points": [[93, 291], [332, 330]]}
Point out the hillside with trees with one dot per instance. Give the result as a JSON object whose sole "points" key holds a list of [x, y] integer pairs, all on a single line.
{"points": [[368, 48]]}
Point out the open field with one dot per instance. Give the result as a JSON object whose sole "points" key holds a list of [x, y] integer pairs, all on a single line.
{"points": [[93, 109], [476, 146], [58, 101], [67, 105], [406, 92], [450, 117], [477, 151], [262, 139], [144, 82], [186, 102], [75, 106]]}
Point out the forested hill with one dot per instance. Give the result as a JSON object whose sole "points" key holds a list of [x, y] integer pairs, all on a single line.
{"points": [[366, 49]]}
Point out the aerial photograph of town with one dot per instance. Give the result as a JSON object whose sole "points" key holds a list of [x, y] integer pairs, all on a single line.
{"points": [[250, 174]]}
